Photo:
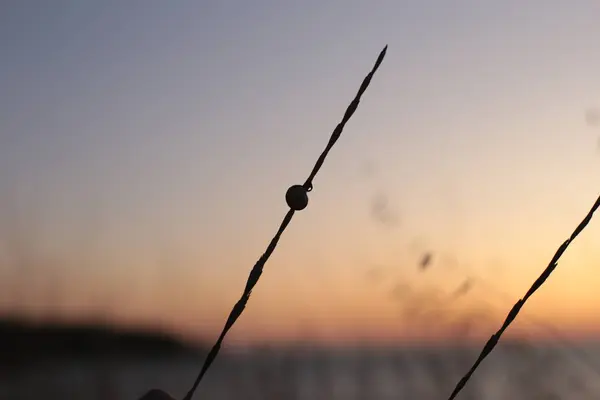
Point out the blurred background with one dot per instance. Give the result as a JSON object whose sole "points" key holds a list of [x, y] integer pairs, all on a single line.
{"points": [[146, 147]]}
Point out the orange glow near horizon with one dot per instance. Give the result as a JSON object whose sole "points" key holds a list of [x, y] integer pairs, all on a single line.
{"points": [[387, 305]]}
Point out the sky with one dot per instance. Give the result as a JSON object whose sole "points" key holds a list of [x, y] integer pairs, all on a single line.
{"points": [[146, 147]]}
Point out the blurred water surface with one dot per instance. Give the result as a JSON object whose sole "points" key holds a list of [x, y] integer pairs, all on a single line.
{"points": [[515, 371]]}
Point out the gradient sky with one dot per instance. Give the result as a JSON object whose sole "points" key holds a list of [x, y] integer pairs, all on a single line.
{"points": [[146, 146]]}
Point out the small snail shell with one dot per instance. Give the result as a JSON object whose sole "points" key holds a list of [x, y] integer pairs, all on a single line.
{"points": [[297, 197]]}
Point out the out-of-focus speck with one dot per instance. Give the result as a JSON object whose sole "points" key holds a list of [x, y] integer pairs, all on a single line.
{"points": [[449, 261], [381, 211], [417, 245], [592, 117], [463, 289], [425, 261], [368, 169], [374, 275], [400, 291]]}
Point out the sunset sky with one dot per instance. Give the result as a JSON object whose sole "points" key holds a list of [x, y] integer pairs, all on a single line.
{"points": [[146, 146]]}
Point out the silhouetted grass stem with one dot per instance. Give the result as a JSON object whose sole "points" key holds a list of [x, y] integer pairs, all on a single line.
{"points": [[493, 341], [258, 267]]}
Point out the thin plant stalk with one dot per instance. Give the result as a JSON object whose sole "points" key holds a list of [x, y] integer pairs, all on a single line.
{"points": [[493, 341], [256, 271]]}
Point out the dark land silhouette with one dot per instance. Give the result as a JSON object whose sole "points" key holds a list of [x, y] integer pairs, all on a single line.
{"points": [[24, 343]]}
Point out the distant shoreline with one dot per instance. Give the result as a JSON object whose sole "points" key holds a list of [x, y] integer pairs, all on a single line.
{"points": [[24, 342]]}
